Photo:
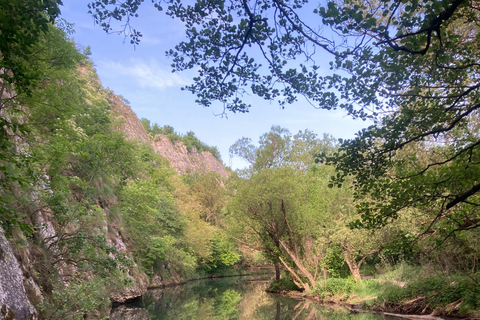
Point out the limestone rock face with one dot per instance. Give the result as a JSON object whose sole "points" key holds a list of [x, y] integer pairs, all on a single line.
{"points": [[13, 298], [127, 119], [129, 293], [139, 279], [184, 161]]}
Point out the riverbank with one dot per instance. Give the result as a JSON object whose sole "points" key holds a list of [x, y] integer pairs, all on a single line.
{"points": [[420, 307]]}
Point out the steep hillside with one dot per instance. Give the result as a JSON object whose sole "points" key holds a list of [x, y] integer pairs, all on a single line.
{"points": [[181, 159], [126, 120]]}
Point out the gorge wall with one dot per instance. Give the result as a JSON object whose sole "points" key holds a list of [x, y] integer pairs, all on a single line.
{"points": [[181, 159]]}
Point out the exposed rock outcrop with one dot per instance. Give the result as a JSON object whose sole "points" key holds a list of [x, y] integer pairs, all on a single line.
{"points": [[185, 161], [138, 279], [181, 159], [14, 303], [127, 120]]}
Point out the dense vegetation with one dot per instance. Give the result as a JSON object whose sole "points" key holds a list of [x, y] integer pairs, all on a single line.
{"points": [[83, 206], [409, 66], [88, 208]]}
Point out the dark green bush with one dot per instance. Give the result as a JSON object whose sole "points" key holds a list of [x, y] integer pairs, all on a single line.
{"points": [[334, 287], [337, 286], [392, 293], [283, 284]]}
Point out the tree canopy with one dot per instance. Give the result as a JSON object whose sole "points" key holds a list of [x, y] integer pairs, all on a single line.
{"points": [[411, 67], [85, 208]]}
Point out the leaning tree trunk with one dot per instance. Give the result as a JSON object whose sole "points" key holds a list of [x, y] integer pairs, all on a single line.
{"points": [[352, 265], [300, 266]]}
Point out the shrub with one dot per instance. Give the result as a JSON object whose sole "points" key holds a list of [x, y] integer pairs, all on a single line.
{"points": [[370, 288], [400, 272], [283, 284], [338, 286], [392, 293], [334, 287]]}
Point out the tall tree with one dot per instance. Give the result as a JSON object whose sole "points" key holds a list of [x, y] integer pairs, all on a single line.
{"points": [[278, 148], [267, 210]]}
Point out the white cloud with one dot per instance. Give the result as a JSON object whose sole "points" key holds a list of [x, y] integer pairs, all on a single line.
{"points": [[146, 74]]}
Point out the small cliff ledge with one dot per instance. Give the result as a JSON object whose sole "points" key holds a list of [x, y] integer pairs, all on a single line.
{"points": [[127, 120]]}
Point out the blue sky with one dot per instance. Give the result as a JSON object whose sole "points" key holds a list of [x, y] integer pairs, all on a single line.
{"points": [[142, 74]]}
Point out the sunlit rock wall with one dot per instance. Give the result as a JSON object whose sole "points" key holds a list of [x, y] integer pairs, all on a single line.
{"points": [[185, 161], [14, 303], [181, 159]]}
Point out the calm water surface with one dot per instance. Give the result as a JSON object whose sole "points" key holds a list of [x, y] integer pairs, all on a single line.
{"points": [[227, 299]]}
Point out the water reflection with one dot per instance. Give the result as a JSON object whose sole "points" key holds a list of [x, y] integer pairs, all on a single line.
{"points": [[227, 299]]}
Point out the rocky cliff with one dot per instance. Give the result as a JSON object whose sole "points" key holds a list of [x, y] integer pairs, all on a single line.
{"points": [[14, 302], [126, 120], [185, 161], [181, 159]]}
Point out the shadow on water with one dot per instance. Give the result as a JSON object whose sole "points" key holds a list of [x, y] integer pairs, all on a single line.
{"points": [[227, 299]]}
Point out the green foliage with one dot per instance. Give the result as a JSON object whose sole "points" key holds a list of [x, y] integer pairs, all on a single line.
{"points": [[334, 262], [438, 291], [81, 298], [19, 168], [338, 287], [401, 247], [392, 293], [224, 254], [278, 148], [402, 271], [368, 288], [23, 25], [345, 288], [282, 284], [151, 220]]}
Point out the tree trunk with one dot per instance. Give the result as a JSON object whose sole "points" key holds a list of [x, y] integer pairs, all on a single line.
{"points": [[297, 279], [277, 271], [352, 265], [299, 265]]}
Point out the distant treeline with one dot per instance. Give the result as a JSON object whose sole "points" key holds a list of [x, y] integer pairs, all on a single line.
{"points": [[189, 139]]}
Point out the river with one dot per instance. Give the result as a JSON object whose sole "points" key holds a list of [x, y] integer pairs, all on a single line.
{"points": [[227, 299]]}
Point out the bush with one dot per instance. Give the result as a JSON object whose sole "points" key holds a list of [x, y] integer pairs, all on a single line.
{"points": [[283, 284], [392, 293], [400, 272], [334, 287], [338, 286], [368, 288], [335, 263]]}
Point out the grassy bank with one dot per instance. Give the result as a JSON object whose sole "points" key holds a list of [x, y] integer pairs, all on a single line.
{"points": [[405, 290]]}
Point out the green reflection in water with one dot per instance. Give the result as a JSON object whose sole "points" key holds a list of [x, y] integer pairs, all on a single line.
{"points": [[228, 299]]}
